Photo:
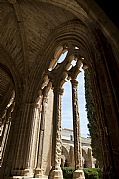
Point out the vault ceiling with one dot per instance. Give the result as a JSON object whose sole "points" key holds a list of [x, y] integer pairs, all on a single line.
{"points": [[24, 30], [25, 27], [6, 89], [28, 26]]}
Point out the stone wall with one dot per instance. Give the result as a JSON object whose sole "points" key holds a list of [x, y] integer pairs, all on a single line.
{"points": [[68, 150]]}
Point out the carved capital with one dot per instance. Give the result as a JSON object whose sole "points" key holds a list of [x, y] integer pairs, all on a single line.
{"points": [[61, 91], [45, 100], [46, 89], [58, 90], [74, 83], [75, 70]]}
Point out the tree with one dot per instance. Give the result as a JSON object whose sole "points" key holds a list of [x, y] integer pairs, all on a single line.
{"points": [[91, 115]]}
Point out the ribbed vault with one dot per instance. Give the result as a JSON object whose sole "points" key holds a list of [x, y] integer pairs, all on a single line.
{"points": [[30, 33], [27, 30], [25, 27], [6, 89]]}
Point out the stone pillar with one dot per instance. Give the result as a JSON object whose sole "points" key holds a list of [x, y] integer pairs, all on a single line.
{"points": [[20, 156], [6, 129], [4, 138], [27, 141], [78, 173], [56, 172], [39, 170]]}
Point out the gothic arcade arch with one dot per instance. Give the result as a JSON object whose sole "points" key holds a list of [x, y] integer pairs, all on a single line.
{"points": [[92, 36], [94, 50], [65, 156]]}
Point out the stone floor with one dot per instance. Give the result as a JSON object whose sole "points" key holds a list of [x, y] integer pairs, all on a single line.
{"points": [[26, 177]]}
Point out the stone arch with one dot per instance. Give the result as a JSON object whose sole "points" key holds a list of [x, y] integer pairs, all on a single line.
{"points": [[72, 7], [6, 62], [7, 105], [89, 152], [63, 34], [15, 86], [84, 155], [6, 77], [95, 13], [95, 48], [71, 154], [104, 70], [87, 155], [65, 153]]}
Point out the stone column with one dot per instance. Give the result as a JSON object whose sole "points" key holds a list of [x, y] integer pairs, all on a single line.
{"points": [[6, 129], [39, 170], [78, 173], [4, 138], [20, 156], [27, 141], [56, 172]]}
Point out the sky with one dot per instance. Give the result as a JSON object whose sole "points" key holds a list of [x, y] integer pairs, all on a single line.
{"points": [[67, 117]]}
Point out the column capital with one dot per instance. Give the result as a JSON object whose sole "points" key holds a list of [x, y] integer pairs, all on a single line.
{"points": [[45, 99], [74, 82], [59, 90], [46, 89], [75, 70]]}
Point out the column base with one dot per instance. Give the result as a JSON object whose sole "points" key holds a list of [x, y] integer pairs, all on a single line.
{"points": [[38, 173], [26, 177], [21, 177], [23, 173], [55, 174], [78, 174]]}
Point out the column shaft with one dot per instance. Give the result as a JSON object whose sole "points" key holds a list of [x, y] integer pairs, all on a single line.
{"points": [[26, 141], [78, 173], [20, 158], [39, 170], [76, 126], [57, 143], [4, 138], [56, 171], [6, 130]]}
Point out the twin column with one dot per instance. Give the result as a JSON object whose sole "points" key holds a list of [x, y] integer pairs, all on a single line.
{"points": [[26, 138], [56, 172]]}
